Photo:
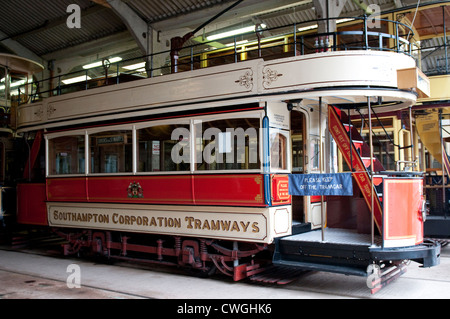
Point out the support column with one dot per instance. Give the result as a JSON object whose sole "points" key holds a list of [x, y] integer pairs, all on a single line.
{"points": [[328, 9]]}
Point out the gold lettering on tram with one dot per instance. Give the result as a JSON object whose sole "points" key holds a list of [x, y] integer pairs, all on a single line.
{"points": [[224, 225], [187, 223]]}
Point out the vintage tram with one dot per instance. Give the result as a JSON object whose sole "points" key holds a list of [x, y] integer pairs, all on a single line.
{"points": [[204, 169]]}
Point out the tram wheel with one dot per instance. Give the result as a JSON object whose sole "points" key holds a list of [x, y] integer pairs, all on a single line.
{"points": [[201, 273]]}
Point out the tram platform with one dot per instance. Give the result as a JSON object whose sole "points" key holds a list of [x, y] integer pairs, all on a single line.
{"points": [[337, 236], [347, 252]]}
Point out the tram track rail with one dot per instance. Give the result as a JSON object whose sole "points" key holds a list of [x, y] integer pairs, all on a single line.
{"points": [[35, 283]]}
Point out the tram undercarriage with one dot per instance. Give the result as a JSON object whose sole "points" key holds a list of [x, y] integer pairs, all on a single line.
{"points": [[345, 251], [203, 256]]}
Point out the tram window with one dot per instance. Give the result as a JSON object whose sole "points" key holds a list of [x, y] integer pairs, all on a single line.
{"points": [[66, 155], [111, 152], [298, 141], [230, 144], [3, 93], [315, 158], [297, 154], [157, 151], [2, 162], [278, 150]]}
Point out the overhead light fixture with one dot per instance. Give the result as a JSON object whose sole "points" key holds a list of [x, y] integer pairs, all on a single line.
{"points": [[344, 20], [315, 26], [76, 79], [134, 66], [17, 83], [310, 27], [100, 63], [13, 84], [237, 43], [233, 32]]}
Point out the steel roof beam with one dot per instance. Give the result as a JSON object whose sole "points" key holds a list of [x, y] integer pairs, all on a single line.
{"points": [[19, 49], [135, 24]]}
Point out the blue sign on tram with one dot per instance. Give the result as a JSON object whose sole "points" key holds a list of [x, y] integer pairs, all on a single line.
{"points": [[321, 184]]}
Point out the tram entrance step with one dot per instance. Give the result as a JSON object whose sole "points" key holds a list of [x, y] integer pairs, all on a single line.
{"points": [[304, 266], [298, 227], [343, 251], [278, 275]]}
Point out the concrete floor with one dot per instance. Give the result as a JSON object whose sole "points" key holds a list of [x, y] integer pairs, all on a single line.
{"points": [[26, 274]]}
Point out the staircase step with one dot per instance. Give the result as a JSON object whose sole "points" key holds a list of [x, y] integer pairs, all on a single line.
{"points": [[366, 161], [358, 145], [377, 166]]}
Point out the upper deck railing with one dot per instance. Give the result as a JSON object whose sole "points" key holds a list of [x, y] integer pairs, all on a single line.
{"points": [[355, 33]]}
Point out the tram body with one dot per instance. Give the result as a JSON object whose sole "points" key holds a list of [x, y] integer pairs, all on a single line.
{"points": [[200, 162]]}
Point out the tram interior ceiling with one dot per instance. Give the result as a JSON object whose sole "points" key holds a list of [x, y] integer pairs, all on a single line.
{"points": [[233, 137]]}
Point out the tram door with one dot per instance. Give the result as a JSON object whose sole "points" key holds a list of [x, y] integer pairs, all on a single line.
{"points": [[299, 160], [305, 150]]}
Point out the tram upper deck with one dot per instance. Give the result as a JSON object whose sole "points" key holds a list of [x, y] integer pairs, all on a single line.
{"points": [[358, 72], [358, 59]]}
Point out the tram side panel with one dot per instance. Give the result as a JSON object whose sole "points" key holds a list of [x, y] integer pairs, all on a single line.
{"points": [[31, 206], [251, 224], [30, 189], [255, 206], [403, 211], [183, 189]]}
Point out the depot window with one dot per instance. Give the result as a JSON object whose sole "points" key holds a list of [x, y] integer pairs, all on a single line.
{"points": [[66, 155], [111, 152]]}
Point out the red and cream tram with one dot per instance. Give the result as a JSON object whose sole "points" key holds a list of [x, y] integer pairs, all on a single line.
{"points": [[196, 168]]}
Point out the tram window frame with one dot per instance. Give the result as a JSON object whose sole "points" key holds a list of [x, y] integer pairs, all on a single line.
{"points": [[314, 146], [285, 145], [51, 160], [201, 164], [184, 166], [133, 166], [4, 94], [124, 164]]}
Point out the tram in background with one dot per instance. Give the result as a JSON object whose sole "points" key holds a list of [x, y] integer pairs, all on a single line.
{"points": [[432, 126], [206, 169]]}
